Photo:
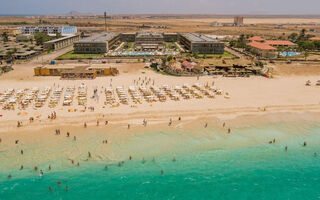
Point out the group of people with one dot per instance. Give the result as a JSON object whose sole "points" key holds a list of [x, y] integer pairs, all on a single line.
{"points": [[53, 115], [144, 81]]}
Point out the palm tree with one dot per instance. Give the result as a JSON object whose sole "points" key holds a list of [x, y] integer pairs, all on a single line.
{"points": [[5, 37], [9, 55], [306, 54]]}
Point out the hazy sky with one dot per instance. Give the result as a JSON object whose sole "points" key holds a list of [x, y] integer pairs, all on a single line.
{"points": [[161, 6]]}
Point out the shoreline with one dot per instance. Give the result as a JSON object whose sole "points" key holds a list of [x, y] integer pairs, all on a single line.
{"points": [[153, 118]]}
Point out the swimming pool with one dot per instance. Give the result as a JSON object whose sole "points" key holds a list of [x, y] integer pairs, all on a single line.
{"points": [[289, 53], [137, 54]]}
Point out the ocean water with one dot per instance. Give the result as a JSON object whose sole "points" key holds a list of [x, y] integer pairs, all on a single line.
{"points": [[262, 171]]}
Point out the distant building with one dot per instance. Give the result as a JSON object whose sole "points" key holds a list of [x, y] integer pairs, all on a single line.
{"points": [[238, 21], [215, 24], [50, 30], [198, 43], [96, 44]]}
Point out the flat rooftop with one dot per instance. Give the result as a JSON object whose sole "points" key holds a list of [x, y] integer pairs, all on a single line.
{"points": [[103, 37], [194, 37], [149, 34], [60, 39]]}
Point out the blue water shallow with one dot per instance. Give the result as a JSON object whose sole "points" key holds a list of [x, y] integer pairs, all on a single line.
{"points": [[260, 172]]}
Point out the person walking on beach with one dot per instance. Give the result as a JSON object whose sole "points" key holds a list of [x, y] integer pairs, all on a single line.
{"points": [[128, 126], [85, 125], [68, 134], [89, 154], [97, 122], [305, 144], [21, 152], [35, 168], [74, 138], [206, 125], [229, 130], [224, 124], [49, 167], [170, 122], [21, 167]]}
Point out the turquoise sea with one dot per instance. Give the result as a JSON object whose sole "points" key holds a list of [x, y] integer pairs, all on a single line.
{"points": [[264, 171]]}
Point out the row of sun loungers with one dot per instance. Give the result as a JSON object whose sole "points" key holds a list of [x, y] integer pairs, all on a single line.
{"points": [[68, 96], [82, 95], [10, 98]]}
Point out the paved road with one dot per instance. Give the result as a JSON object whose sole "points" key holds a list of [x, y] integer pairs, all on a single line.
{"points": [[233, 52], [51, 56]]}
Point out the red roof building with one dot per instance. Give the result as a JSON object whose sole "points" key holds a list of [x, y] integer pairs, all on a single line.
{"points": [[256, 39], [261, 46], [280, 43], [314, 38]]}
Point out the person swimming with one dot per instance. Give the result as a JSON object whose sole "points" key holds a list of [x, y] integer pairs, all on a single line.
{"points": [[106, 167], [143, 160], [9, 176], [130, 158], [286, 148], [41, 173], [315, 154], [21, 168], [305, 144], [49, 167], [50, 188], [67, 188], [162, 172], [174, 159], [35, 168]]}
